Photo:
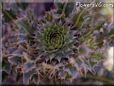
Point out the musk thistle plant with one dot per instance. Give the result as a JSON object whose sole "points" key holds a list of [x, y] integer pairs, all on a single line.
{"points": [[60, 47], [54, 39]]}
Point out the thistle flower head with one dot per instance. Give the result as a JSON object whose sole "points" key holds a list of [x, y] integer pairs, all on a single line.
{"points": [[56, 38]]}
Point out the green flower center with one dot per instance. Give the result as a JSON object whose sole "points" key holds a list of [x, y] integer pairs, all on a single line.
{"points": [[54, 37]]}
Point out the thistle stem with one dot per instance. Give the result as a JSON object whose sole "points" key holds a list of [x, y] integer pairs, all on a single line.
{"points": [[99, 78]]}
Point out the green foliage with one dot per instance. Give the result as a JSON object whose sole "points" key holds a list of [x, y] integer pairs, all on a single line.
{"points": [[65, 8], [97, 56], [78, 18]]}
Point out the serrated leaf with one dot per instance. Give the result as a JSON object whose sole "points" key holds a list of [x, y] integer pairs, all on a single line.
{"points": [[25, 26], [15, 60], [28, 66], [111, 33], [22, 5], [8, 15], [69, 8], [65, 8], [27, 75], [78, 18], [6, 65], [4, 75]]}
